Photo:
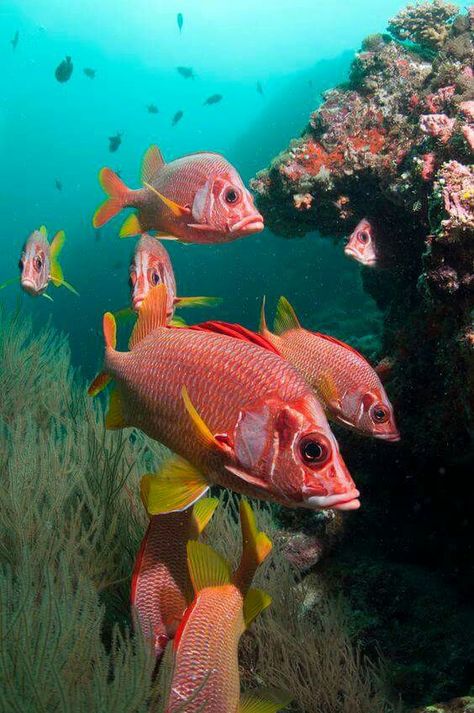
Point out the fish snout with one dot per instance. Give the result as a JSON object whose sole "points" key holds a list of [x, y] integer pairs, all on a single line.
{"points": [[391, 437], [339, 491], [252, 223], [29, 286], [340, 501]]}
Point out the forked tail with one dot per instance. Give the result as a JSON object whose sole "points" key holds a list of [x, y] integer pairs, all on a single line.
{"points": [[118, 194]]}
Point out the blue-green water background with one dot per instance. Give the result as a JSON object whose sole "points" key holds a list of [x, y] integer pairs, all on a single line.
{"points": [[50, 131]]}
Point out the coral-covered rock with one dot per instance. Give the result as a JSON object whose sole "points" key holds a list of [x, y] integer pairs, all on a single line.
{"points": [[424, 23], [458, 705]]}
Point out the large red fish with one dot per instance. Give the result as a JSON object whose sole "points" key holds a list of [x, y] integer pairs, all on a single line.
{"points": [[204, 654], [346, 384], [198, 198], [161, 588], [237, 415]]}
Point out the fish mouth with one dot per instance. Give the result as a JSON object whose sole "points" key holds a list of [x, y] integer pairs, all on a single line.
{"points": [[390, 437], [137, 303], [29, 286], [341, 501], [368, 261], [250, 224]]}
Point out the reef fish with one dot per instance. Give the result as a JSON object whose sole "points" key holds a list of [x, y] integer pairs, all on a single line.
{"points": [[64, 70], [186, 72], [151, 266], [161, 588], [180, 20], [224, 606], [346, 384], [361, 244], [213, 99], [152, 109], [89, 72], [249, 423], [114, 142], [199, 198], [39, 263], [14, 41], [260, 88], [177, 118]]}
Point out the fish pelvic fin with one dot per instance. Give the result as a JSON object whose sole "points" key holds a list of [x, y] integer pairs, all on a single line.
{"points": [[100, 382], [256, 546], [198, 301], [203, 511], [285, 317], [264, 700], [255, 602], [130, 227], [206, 567], [114, 419], [176, 487], [175, 208], [109, 328], [11, 281], [117, 193], [151, 163], [151, 315]]}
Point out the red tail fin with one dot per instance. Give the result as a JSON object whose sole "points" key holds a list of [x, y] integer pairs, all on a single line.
{"points": [[118, 194]]}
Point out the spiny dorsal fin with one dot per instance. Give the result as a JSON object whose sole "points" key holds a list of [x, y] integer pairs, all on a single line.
{"points": [[256, 600], [256, 546], [176, 487], [203, 511], [151, 316], [285, 317], [206, 567], [151, 164]]}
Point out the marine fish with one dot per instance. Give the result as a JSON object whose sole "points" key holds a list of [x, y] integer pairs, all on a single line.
{"points": [[186, 72], [346, 384], [151, 266], [199, 198], [224, 606], [177, 117], [260, 88], [14, 41], [180, 20], [58, 184], [161, 588], [64, 70], [152, 109], [235, 414], [39, 263], [361, 244], [89, 72], [213, 99], [114, 142]]}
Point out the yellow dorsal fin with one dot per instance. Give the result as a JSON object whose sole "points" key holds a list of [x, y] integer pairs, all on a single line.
{"points": [[114, 418], [203, 511], [328, 389], [256, 546], [265, 700], [151, 316], [205, 435], [175, 208], [151, 164], [43, 231], [206, 567], [197, 301], [256, 600], [285, 317], [130, 227], [176, 486]]}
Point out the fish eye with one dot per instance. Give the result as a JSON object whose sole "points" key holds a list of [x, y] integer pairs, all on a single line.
{"points": [[38, 264], [379, 414], [314, 450], [363, 236], [153, 277], [231, 195]]}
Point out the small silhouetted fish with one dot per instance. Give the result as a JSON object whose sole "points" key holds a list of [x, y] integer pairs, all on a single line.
{"points": [[89, 72], [180, 20], [177, 117], [260, 88], [14, 41], [64, 70], [186, 72], [213, 99], [58, 184], [114, 142], [97, 234], [152, 109]]}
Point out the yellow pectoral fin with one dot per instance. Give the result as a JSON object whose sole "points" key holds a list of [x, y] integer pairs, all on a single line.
{"points": [[176, 487], [256, 600], [264, 701], [207, 568], [204, 433], [197, 301], [328, 390], [178, 322], [124, 314], [174, 207], [9, 282], [203, 511]]}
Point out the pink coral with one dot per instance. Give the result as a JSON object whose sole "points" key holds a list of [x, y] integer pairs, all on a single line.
{"points": [[456, 183], [468, 133], [438, 100], [439, 126], [302, 201], [428, 165], [467, 108]]}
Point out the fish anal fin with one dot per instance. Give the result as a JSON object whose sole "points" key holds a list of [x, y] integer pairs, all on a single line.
{"points": [[256, 600], [285, 317], [203, 511], [114, 419], [206, 567], [256, 546], [177, 486], [151, 164], [151, 315]]}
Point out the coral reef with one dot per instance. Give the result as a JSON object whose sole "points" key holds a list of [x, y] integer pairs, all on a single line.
{"points": [[458, 705]]}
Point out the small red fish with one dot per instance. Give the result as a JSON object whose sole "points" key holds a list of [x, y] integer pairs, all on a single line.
{"points": [[198, 198], [346, 384], [361, 244], [249, 423], [161, 588], [203, 657]]}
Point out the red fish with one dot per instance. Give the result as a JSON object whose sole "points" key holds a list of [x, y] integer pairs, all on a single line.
{"points": [[204, 654], [198, 198], [236, 415], [361, 244], [161, 588], [346, 384]]}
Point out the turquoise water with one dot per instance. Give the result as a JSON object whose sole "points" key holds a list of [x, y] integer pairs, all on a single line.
{"points": [[51, 131]]}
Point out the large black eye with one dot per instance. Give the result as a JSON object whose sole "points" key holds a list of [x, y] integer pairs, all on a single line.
{"points": [[379, 413], [314, 450], [154, 277], [231, 195], [38, 263], [363, 236]]}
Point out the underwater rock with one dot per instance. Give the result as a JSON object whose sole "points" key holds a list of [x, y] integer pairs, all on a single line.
{"points": [[458, 705]]}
